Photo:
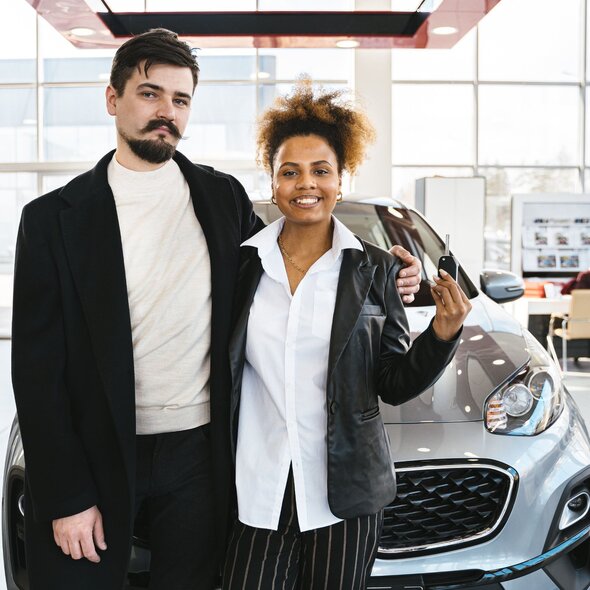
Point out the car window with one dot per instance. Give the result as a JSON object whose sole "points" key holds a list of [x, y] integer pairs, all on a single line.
{"points": [[386, 226]]}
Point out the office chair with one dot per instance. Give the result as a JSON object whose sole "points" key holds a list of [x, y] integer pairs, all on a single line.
{"points": [[572, 330]]}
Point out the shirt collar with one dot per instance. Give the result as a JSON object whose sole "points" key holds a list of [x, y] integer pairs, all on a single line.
{"points": [[343, 238], [266, 239], [272, 261]]}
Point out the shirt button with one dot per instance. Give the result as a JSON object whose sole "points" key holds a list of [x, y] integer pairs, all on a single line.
{"points": [[332, 407]]}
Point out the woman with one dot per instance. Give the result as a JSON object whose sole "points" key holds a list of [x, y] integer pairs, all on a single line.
{"points": [[321, 334]]}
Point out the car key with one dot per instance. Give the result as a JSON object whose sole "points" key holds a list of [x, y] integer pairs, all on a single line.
{"points": [[448, 262]]}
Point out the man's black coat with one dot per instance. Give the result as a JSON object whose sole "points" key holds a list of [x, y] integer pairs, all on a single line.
{"points": [[72, 363]]}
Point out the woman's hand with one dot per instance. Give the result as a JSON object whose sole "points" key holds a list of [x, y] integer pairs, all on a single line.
{"points": [[452, 306]]}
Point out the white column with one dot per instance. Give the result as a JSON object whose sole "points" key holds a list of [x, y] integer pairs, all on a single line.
{"points": [[372, 82]]}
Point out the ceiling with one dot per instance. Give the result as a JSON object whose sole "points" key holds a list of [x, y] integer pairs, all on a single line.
{"points": [[411, 23]]}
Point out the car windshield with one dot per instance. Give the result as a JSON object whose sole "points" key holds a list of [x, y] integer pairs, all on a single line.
{"points": [[386, 226]]}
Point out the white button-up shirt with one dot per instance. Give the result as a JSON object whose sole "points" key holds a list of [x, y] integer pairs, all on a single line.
{"points": [[283, 414]]}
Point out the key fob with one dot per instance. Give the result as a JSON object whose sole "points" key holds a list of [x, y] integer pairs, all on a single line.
{"points": [[448, 263]]}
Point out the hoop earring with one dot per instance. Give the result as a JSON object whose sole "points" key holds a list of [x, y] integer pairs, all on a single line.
{"points": [[339, 197], [273, 200]]}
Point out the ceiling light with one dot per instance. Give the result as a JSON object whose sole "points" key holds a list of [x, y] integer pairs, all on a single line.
{"points": [[444, 30], [347, 44], [82, 32]]}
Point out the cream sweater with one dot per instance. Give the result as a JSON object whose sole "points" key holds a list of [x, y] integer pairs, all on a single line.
{"points": [[168, 274]]}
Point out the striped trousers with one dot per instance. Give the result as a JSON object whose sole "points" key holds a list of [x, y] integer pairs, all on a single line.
{"points": [[337, 557]]}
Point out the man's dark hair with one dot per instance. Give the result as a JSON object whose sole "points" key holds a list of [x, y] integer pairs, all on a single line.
{"points": [[157, 46]]}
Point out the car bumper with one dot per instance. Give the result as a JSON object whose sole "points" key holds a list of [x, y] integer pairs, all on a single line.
{"points": [[467, 580], [547, 465]]}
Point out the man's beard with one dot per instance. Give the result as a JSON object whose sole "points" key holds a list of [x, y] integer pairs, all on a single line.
{"points": [[155, 151]]}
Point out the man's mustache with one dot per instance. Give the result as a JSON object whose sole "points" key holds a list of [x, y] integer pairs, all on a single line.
{"points": [[155, 123]]}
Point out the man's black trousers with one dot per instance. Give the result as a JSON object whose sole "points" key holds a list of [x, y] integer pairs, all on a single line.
{"points": [[175, 497]]}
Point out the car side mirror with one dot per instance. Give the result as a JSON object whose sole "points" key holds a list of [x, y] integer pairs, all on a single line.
{"points": [[500, 285]]}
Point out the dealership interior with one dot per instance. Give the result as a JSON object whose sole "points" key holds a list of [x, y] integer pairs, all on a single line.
{"points": [[482, 111]]}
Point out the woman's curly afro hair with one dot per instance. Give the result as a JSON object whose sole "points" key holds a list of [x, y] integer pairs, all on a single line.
{"points": [[315, 111]]}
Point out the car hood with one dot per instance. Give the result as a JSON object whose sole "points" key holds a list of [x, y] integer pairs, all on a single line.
{"points": [[491, 351]]}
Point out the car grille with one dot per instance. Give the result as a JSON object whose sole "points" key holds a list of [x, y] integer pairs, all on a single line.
{"points": [[438, 506]]}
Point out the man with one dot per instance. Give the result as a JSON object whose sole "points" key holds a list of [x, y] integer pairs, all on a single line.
{"points": [[581, 281], [122, 303]]}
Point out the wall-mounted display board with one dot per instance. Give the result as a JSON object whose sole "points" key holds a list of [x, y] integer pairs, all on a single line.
{"points": [[550, 234]]}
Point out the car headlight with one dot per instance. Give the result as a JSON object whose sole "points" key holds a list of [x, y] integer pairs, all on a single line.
{"points": [[531, 401]]}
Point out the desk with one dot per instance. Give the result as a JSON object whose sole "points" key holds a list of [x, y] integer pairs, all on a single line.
{"points": [[527, 306], [534, 313]]}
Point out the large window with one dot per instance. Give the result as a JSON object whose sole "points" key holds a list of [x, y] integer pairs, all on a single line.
{"points": [[529, 125], [53, 118], [433, 124], [509, 102], [532, 41]]}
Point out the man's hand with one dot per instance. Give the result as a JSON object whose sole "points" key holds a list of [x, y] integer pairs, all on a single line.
{"points": [[77, 535], [408, 281]]}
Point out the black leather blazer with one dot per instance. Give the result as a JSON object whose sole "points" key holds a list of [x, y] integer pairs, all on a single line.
{"points": [[370, 357]]}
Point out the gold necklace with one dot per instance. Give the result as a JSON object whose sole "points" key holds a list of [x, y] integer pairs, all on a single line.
{"points": [[286, 255]]}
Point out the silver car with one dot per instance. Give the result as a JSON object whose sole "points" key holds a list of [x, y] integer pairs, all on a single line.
{"points": [[493, 461]]}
